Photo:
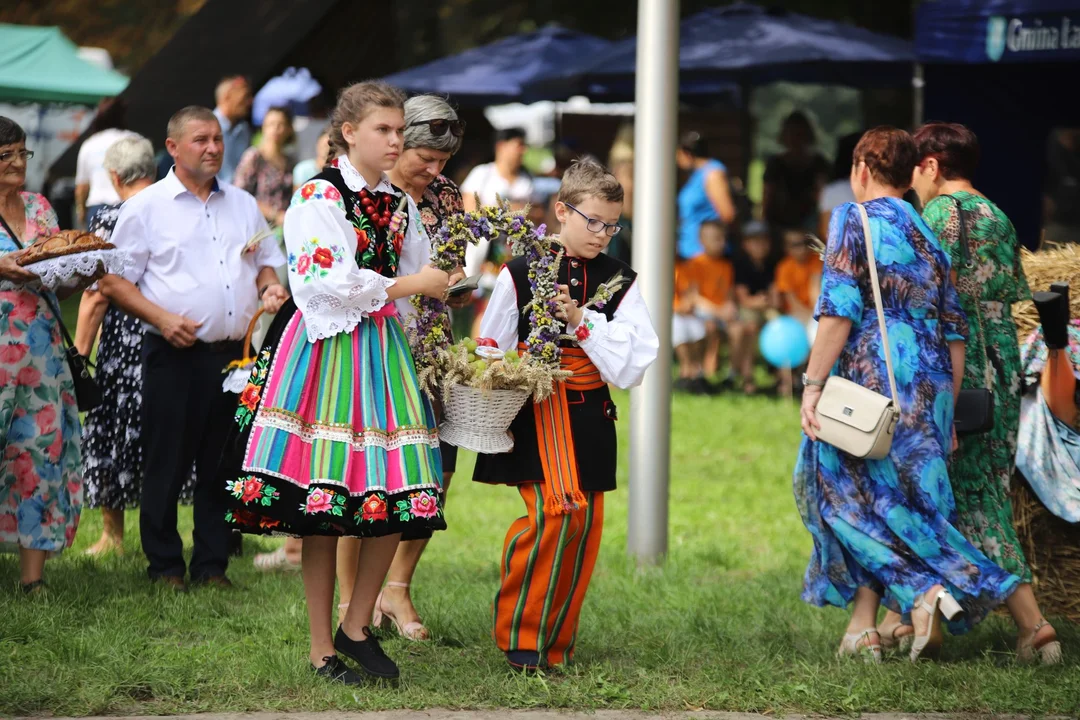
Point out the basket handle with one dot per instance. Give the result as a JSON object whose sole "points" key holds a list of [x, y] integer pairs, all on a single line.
{"points": [[250, 332]]}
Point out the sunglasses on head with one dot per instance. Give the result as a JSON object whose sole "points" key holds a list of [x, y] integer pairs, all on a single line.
{"points": [[439, 127]]}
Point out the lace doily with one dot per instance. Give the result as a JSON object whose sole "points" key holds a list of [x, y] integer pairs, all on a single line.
{"points": [[69, 271]]}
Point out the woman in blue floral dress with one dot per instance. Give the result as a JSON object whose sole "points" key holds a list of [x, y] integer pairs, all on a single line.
{"points": [[883, 529]]}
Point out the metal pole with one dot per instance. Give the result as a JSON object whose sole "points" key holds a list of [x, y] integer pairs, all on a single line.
{"points": [[654, 258], [918, 103]]}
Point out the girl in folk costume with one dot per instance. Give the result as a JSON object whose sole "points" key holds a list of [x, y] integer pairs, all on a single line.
{"points": [[333, 436], [564, 455]]}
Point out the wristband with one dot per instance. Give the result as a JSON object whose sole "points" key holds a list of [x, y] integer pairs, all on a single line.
{"points": [[264, 288]]}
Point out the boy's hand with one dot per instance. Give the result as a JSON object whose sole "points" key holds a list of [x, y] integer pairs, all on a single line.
{"points": [[568, 307]]}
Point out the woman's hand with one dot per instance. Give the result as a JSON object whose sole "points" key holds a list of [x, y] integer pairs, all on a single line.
{"points": [[808, 411], [568, 307], [955, 442], [10, 270], [273, 297], [433, 282]]}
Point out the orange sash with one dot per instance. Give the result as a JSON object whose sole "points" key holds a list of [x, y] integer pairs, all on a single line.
{"points": [[556, 438]]}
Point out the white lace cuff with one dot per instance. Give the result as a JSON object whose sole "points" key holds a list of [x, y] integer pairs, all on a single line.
{"points": [[326, 315]]}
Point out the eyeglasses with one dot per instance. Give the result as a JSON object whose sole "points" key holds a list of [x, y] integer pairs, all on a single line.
{"points": [[439, 126], [11, 154], [595, 225]]}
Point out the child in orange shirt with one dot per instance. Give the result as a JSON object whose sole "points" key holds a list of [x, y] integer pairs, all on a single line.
{"points": [[705, 309], [798, 276]]}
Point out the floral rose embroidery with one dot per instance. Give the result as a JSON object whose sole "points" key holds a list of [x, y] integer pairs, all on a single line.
{"points": [[303, 264], [331, 193], [252, 490], [307, 191], [323, 258], [423, 505], [318, 500], [362, 240], [374, 508], [250, 397]]}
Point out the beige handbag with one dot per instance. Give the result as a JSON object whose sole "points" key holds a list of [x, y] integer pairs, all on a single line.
{"points": [[853, 419]]}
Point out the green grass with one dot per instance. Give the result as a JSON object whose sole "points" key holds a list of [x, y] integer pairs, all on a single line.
{"points": [[719, 626]]}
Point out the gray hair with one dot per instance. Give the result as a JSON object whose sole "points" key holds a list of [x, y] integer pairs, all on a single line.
{"points": [[429, 107], [132, 159]]}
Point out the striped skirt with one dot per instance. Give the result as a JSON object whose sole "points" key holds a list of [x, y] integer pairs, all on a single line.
{"points": [[334, 437]]}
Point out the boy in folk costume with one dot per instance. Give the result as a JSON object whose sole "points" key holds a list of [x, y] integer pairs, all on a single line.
{"points": [[564, 455]]}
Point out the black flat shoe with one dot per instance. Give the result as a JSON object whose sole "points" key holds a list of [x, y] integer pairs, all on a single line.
{"points": [[337, 671], [37, 587], [367, 653], [527, 660], [1053, 309]]}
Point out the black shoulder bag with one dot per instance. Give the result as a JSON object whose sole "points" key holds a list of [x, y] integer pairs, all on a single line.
{"points": [[974, 406], [87, 392]]}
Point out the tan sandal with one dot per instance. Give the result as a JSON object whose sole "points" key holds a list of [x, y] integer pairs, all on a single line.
{"points": [[891, 641], [275, 560], [411, 631], [1047, 652], [861, 644]]}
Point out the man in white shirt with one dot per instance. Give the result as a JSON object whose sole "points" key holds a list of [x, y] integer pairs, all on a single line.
{"points": [[505, 178], [197, 292], [93, 186], [233, 97]]}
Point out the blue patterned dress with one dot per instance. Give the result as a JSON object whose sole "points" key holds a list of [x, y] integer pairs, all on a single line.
{"points": [[888, 524]]}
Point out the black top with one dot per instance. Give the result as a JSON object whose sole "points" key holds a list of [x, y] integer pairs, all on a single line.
{"points": [[592, 412], [757, 279], [369, 213], [581, 276]]}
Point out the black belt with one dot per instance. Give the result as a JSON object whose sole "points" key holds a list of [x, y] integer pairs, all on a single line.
{"points": [[218, 346]]}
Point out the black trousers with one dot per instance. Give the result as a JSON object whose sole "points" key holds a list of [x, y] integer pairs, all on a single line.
{"points": [[186, 417]]}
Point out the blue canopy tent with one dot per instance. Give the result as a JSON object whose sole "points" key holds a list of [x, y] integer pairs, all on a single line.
{"points": [[749, 45], [1006, 69], [514, 69]]}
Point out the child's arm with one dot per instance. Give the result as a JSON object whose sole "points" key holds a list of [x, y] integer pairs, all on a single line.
{"points": [[751, 302], [622, 348], [500, 322]]}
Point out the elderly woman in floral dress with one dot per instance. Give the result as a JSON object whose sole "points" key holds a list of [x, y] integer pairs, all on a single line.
{"points": [[41, 488]]}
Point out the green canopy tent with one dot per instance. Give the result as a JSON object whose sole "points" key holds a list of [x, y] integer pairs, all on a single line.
{"points": [[39, 64]]}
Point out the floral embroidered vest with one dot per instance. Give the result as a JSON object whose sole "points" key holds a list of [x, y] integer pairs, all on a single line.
{"points": [[378, 241]]}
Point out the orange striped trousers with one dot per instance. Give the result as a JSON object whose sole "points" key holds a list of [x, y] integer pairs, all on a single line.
{"points": [[546, 567]]}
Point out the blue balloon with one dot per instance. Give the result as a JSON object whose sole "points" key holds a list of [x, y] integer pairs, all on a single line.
{"points": [[784, 343]]}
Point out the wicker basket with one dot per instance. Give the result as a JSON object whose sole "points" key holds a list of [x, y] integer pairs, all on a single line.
{"points": [[478, 420]]}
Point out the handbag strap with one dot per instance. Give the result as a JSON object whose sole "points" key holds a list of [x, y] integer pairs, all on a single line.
{"points": [[876, 287], [965, 255], [69, 343]]}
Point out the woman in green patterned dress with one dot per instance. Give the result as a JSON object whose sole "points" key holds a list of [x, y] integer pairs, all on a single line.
{"points": [[990, 279]]}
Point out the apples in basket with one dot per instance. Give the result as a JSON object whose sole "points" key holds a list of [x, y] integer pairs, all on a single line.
{"points": [[483, 390]]}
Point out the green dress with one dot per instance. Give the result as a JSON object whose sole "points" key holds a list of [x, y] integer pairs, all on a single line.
{"points": [[993, 279]]}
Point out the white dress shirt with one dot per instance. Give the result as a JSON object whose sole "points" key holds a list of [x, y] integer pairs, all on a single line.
{"points": [[488, 183], [335, 299], [90, 167], [622, 349], [189, 257]]}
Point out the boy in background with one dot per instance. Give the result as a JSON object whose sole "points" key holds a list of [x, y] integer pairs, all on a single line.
{"points": [[705, 304], [798, 276], [756, 296]]}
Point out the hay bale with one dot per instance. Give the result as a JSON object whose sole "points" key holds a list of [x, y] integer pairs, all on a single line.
{"points": [[1052, 547], [1059, 263]]}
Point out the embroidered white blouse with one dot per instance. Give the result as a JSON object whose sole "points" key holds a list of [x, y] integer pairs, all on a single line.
{"points": [[328, 286], [622, 349]]}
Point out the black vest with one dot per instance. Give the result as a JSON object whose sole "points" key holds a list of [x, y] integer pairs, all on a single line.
{"points": [[592, 413], [376, 248]]}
